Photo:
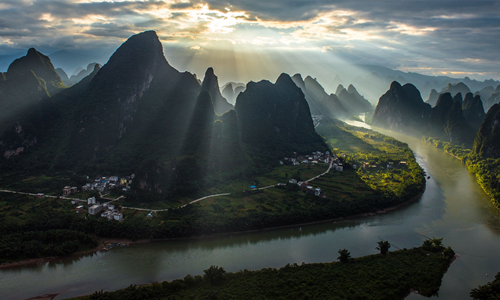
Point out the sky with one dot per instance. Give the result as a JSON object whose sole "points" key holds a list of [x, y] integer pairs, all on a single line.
{"points": [[253, 39]]}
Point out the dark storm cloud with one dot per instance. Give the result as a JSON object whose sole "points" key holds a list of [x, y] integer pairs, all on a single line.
{"points": [[181, 5], [286, 10]]}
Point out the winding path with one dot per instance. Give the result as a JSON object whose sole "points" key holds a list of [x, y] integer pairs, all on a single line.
{"points": [[44, 196], [166, 209]]}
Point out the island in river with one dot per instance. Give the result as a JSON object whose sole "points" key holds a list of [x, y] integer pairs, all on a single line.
{"points": [[392, 275]]}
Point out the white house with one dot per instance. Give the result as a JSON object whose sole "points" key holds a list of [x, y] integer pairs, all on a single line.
{"points": [[95, 209], [91, 200]]}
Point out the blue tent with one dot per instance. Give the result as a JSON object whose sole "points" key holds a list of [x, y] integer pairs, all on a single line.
{"points": [[252, 186]]}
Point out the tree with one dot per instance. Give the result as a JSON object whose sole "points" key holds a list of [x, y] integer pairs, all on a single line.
{"points": [[449, 253], [491, 290], [427, 245], [383, 246], [437, 243], [433, 245], [214, 275], [344, 255], [100, 295]]}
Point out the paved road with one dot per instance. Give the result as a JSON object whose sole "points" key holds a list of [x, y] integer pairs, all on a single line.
{"points": [[324, 173], [166, 209], [267, 187], [210, 196], [46, 196]]}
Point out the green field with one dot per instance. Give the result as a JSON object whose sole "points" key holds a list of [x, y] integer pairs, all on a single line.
{"points": [[376, 151]]}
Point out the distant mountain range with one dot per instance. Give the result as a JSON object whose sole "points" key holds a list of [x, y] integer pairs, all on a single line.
{"points": [[370, 80], [28, 81], [342, 105], [454, 119], [138, 114], [379, 79], [231, 90]]}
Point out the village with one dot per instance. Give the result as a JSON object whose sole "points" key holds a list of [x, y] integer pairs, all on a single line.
{"points": [[101, 184], [314, 158], [327, 158], [105, 210]]}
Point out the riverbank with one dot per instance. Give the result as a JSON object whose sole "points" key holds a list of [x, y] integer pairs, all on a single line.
{"points": [[485, 170], [44, 260], [390, 276], [104, 241]]}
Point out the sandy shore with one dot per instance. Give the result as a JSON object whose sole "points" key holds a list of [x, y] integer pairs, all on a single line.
{"points": [[104, 241]]}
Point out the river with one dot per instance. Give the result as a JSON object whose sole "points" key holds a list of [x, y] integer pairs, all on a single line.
{"points": [[453, 207]]}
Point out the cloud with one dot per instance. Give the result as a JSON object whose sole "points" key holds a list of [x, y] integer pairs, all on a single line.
{"points": [[423, 35]]}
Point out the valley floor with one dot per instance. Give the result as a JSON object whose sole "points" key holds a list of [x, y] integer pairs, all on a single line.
{"points": [[379, 174]]}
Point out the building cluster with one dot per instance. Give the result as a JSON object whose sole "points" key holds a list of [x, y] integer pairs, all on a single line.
{"points": [[308, 189], [390, 165], [106, 210], [337, 164], [68, 190], [102, 184], [314, 158]]}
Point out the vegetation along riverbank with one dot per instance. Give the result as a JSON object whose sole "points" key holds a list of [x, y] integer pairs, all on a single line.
{"points": [[383, 276], [486, 170]]}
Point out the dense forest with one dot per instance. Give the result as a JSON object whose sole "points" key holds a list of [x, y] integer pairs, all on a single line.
{"points": [[36, 229]]}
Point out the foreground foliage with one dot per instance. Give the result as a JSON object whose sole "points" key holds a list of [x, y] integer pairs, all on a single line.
{"points": [[491, 290], [390, 276], [43, 228]]}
